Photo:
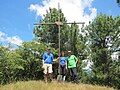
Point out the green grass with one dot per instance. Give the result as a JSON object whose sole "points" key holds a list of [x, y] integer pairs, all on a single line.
{"points": [[40, 85]]}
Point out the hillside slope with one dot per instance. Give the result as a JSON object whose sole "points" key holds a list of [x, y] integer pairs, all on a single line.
{"points": [[39, 85]]}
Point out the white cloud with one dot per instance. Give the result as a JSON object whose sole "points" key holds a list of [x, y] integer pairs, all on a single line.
{"points": [[74, 10], [13, 40], [2, 34]]}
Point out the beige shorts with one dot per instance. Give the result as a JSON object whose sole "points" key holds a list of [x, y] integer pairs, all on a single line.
{"points": [[47, 68]]}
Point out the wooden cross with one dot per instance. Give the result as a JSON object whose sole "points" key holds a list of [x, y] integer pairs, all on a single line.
{"points": [[58, 23]]}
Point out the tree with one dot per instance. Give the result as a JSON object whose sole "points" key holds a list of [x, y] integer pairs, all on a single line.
{"points": [[103, 33], [73, 38], [10, 65]]}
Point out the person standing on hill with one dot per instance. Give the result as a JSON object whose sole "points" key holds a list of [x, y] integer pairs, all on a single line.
{"points": [[47, 64], [62, 67], [71, 64]]}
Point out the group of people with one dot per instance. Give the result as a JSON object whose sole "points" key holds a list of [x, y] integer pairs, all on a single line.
{"points": [[69, 62]]}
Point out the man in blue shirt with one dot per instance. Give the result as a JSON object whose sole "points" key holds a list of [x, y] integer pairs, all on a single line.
{"points": [[47, 64]]}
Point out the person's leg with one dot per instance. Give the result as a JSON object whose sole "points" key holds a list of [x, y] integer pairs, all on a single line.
{"points": [[61, 70], [45, 73], [50, 75], [45, 78], [50, 72], [71, 74], [75, 74], [64, 70]]}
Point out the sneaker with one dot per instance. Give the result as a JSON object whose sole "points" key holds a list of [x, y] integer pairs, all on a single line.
{"points": [[64, 78]]}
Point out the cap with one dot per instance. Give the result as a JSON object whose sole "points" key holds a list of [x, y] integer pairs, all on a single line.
{"points": [[69, 51], [48, 48]]}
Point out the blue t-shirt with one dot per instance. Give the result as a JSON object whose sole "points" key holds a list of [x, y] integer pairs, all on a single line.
{"points": [[62, 60], [48, 58]]}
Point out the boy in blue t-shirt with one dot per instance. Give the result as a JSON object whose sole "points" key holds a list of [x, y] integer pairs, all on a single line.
{"points": [[47, 64]]}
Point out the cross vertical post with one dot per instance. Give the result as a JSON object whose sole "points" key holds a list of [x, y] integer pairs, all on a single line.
{"points": [[59, 28]]}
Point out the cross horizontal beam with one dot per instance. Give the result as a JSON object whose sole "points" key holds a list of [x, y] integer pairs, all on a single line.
{"points": [[60, 23], [75, 23]]}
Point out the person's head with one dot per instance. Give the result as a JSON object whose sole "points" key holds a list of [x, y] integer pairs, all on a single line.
{"points": [[62, 54], [49, 50], [69, 53]]}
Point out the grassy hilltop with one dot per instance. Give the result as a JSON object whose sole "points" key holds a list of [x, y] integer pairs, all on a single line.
{"points": [[40, 85]]}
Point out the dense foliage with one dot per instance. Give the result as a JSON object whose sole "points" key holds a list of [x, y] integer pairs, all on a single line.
{"points": [[104, 37]]}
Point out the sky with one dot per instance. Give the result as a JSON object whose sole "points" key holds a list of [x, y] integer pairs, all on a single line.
{"points": [[17, 17]]}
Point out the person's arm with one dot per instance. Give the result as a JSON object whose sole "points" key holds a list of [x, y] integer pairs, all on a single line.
{"points": [[52, 57], [66, 64], [43, 60], [58, 58], [42, 63], [76, 61]]}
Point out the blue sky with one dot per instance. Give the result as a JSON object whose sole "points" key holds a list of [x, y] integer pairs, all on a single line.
{"points": [[109, 7], [17, 18]]}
